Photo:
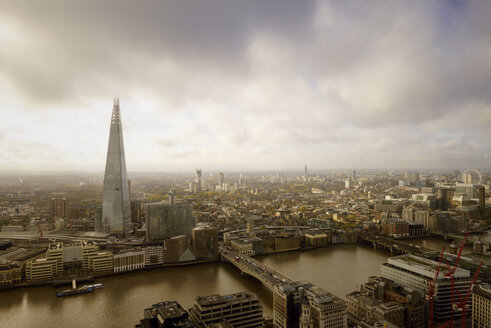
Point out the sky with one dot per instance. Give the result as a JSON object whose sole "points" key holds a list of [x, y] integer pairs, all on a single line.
{"points": [[246, 85]]}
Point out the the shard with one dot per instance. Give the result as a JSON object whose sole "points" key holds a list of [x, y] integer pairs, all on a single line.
{"points": [[115, 198]]}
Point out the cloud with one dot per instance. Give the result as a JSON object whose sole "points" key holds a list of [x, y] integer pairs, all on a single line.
{"points": [[249, 85]]}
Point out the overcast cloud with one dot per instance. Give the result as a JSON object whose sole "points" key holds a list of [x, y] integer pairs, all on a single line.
{"points": [[238, 85]]}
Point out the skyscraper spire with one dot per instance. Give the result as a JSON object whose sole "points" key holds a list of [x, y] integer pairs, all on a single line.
{"points": [[115, 197]]}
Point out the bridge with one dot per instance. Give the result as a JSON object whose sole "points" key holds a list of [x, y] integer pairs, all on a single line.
{"points": [[395, 247], [251, 267]]}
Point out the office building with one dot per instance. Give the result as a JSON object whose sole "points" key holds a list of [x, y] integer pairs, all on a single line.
{"points": [[205, 242], [414, 303], [239, 310], [481, 306], [116, 214], [169, 314], [328, 311], [129, 260], [169, 220], [102, 262], [362, 307], [287, 304], [154, 255], [413, 272], [58, 208]]}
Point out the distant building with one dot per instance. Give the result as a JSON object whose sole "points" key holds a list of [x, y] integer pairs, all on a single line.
{"points": [[205, 242], [169, 220], [446, 222], [58, 207], [481, 306], [221, 179], [169, 314], [239, 310], [395, 227]]}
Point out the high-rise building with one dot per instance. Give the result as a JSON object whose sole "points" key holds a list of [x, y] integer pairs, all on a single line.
{"points": [[239, 310], [169, 220], [413, 272], [221, 179], [116, 214], [353, 175], [481, 306], [58, 207], [348, 183]]}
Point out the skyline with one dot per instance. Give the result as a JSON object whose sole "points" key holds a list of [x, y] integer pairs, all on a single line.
{"points": [[233, 87]]}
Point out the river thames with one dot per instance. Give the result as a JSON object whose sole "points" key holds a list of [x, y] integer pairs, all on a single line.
{"points": [[338, 269]]}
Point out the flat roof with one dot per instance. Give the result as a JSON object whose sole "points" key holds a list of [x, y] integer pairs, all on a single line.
{"points": [[424, 266]]}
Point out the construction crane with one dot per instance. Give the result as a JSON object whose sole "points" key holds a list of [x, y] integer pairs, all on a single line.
{"points": [[40, 230], [451, 274], [70, 222], [431, 287], [462, 305]]}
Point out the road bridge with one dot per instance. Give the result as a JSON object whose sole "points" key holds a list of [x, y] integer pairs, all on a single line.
{"points": [[251, 267]]}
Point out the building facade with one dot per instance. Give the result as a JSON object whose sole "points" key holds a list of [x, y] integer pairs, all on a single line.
{"points": [[239, 310], [481, 306], [169, 220]]}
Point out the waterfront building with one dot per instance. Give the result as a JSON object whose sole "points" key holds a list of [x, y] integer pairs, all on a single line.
{"points": [[205, 242], [40, 269], [154, 255], [58, 208], [287, 304], [481, 306], [10, 273], [239, 310], [395, 227], [316, 239], [169, 220], [284, 241], [243, 247], [116, 214], [446, 222], [129, 260], [13, 263], [169, 314], [174, 248], [362, 307], [102, 262], [413, 272]]}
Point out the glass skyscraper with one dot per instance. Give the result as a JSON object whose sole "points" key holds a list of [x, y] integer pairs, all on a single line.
{"points": [[116, 215]]}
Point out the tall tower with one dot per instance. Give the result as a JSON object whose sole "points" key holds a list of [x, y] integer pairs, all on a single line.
{"points": [[116, 214]]}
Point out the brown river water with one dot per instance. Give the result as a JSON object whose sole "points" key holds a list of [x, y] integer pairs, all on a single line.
{"points": [[338, 269]]}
